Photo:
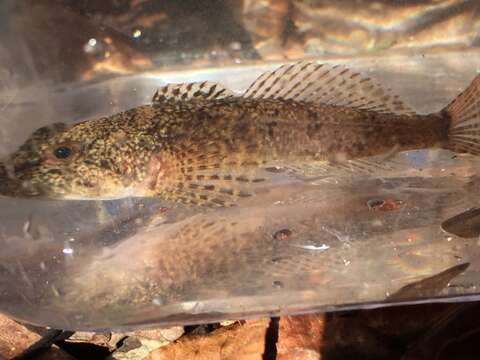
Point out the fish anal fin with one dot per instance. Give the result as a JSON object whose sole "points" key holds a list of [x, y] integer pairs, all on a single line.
{"points": [[210, 190], [325, 84], [205, 90], [373, 166]]}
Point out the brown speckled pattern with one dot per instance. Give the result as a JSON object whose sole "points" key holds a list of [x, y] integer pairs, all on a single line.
{"points": [[190, 151]]}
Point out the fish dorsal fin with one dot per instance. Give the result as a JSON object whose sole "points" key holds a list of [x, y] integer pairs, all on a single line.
{"points": [[205, 90], [325, 84]]}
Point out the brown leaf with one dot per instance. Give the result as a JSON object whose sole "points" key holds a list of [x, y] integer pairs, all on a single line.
{"points": [[14, 338], [240, 341], [99, 339], [300, 337]]}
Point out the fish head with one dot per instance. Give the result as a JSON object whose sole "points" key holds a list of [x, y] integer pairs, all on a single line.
{"points": [[91, 160]]}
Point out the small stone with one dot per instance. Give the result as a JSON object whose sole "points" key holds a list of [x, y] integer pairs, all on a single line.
{"points": [[134, 348], [169, 334]]}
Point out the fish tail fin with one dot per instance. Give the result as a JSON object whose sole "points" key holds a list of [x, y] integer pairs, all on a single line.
{"points": [[464, 115]]}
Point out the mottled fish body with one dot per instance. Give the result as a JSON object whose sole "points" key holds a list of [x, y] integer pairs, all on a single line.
{"points": [[200, 143]]}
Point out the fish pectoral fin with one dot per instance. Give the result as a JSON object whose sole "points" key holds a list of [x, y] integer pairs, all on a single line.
{"points": [[210, 189], [205, 90], [325, 84]]}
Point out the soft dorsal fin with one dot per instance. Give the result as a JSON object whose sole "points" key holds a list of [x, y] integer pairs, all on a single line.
{"points": [[325, 84], [189, 91]]}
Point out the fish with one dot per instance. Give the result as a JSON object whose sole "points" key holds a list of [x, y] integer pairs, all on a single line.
{"points": [[200, 143]]}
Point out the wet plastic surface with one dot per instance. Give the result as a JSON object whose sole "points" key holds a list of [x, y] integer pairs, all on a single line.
{"points": [[298, 245]]}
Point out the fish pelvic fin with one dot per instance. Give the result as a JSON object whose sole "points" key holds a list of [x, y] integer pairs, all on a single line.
{"points": [[464, 115]]}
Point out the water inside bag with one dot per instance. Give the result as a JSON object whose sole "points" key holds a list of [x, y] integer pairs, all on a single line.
{"points": [[303, 244]]}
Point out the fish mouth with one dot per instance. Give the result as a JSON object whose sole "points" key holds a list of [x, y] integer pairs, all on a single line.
{"points": [[11, 186]]}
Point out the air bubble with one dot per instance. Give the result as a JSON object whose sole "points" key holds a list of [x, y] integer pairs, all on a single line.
{"points": [[136, 33]]}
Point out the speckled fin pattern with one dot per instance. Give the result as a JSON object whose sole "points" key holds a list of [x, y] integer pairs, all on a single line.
{"points": [[205, 90], [325, 84]]}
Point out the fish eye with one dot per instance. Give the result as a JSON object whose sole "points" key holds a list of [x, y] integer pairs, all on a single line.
{"points": [[62, 152]]}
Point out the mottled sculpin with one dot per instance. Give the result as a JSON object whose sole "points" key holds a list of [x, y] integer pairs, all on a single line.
{"points": [[200, 143]]}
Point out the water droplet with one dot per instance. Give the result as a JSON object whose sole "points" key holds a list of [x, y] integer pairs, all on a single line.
{"points": [[346, 262], [43, 267], [322, 247], [283, 234], [277, 284], [91, 46], [136, 33], [67, 250], [157, 301], [449, 238]]}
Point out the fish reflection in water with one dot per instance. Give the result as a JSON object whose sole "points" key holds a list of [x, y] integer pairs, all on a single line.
{"points": [[229, 252], [202, 144], [465, 224]]}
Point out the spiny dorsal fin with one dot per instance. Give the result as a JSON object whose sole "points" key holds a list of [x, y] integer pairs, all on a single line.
{"points": [[325, 84], [189, 91]]}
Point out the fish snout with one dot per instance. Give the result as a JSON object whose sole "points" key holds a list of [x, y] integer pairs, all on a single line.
{"points": [[11, 185]]}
